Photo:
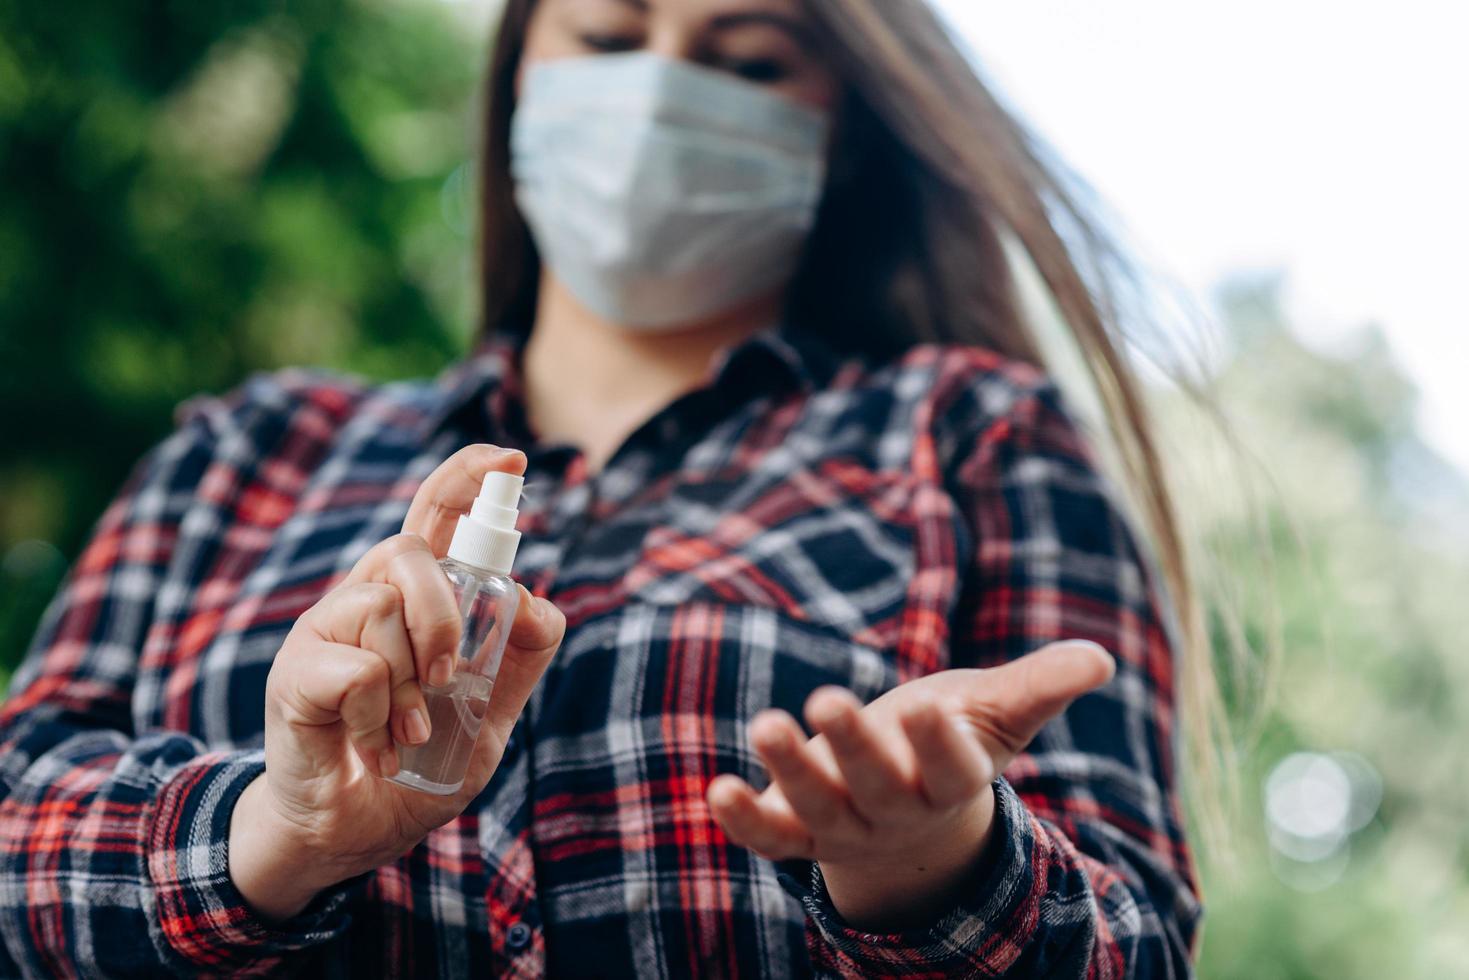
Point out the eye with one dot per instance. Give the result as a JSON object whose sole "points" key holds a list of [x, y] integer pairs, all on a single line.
{"points": [[608, 43], [764, 71]]}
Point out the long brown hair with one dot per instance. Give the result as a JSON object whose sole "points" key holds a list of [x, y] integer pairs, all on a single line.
{"points": [[929, 175]]}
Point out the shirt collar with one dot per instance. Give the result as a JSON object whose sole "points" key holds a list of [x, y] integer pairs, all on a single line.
{"points": [[486, 393], [776, 359]]}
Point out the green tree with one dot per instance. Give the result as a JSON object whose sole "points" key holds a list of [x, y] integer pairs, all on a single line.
{"points": [[1364, 526], [193, 192]]}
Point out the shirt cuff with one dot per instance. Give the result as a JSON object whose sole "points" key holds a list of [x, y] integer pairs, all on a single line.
{"points": [[992, 931], [199, 911]]}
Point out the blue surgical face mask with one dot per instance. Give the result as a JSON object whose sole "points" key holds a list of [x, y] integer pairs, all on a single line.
{"points": [[661, 192]]}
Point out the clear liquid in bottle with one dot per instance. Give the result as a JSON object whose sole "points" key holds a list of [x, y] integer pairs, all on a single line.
{"points": [[477, 568], [455, 712]]}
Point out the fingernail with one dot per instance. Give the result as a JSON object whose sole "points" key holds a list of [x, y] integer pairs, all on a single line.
{"points": [[416, 727], [387, 763], [441, 671]]}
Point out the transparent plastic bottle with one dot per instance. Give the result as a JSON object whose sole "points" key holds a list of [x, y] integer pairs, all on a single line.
{"points": [[478, 567]]}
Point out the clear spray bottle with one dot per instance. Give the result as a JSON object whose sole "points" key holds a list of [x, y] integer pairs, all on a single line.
{"points": [[478, 566]]}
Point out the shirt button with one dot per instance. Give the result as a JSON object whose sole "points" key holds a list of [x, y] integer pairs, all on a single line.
{"points": [[517, 937]]}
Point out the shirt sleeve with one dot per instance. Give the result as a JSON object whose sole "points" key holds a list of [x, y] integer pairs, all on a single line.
{"points": [[114, 842], [1089, 874]]}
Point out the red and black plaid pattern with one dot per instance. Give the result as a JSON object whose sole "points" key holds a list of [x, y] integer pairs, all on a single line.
{"points": [[801, 519]]}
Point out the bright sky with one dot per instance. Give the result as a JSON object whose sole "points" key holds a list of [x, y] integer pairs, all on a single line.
{"points": [[1327, 139]]}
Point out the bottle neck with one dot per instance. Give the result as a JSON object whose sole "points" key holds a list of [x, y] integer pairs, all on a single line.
{"points": [[478, 571], [483, 546]]}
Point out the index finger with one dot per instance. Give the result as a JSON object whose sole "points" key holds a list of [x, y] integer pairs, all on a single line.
{"points": [[450, 490]]}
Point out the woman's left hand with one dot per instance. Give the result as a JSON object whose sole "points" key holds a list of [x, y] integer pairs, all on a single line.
{"points": [[895, 799]]}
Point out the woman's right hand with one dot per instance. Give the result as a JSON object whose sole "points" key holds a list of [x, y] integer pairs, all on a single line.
{"points": [[346, 687]]}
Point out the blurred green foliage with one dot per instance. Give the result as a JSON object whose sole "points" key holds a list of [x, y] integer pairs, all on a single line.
{"points": [[1336, 534], [192, 192], [195, 191]]}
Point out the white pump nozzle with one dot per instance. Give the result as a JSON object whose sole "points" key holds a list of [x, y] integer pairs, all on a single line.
{"points": [[486, 537]]}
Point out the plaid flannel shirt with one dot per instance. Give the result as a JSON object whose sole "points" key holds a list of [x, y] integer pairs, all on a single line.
{"points": [[801, 519]]}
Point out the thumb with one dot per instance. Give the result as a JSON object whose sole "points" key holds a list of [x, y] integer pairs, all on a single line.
{"points": [[534, 638], [1010, 704]]}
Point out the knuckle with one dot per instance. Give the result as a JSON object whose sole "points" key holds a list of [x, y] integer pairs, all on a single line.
{"points": [[390, 548], [410, 549], [409, 695], [302, 632], [403, 539], [409, 541], [380, 601], [369, 673], [442, 633], [1001, 731]]}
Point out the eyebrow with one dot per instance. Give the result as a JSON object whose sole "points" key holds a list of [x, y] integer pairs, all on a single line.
{"points": [[796, 28]]}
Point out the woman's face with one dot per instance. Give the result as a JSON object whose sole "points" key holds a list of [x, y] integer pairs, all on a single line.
{"points": [[767, 42]]}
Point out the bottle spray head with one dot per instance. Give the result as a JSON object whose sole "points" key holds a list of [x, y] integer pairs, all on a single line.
{"points": [[486, 538]]}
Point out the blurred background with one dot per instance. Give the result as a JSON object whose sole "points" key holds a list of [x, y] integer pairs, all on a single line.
{"points": [[195, 191]]}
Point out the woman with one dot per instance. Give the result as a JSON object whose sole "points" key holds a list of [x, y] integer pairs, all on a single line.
{"points": [[750, 336]]}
